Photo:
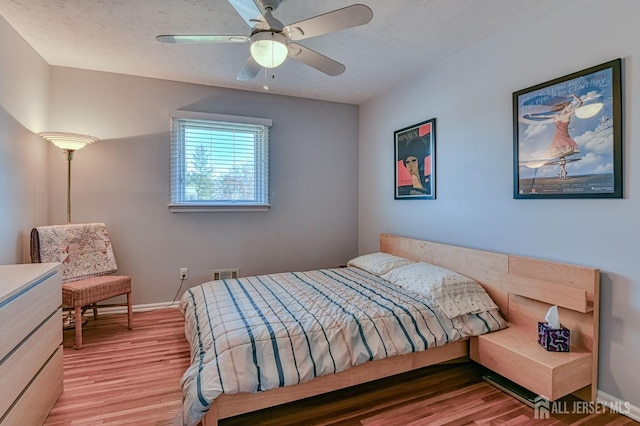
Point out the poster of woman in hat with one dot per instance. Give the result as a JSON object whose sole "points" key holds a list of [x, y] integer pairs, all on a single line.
{"points": [[415, 165]]}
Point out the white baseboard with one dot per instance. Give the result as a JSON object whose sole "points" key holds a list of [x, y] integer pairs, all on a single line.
{"points": [[136, 308], [623, 407]]}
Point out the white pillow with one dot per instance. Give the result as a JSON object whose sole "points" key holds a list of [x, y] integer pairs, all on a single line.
{"points": [[455, 294], [378, 263]]}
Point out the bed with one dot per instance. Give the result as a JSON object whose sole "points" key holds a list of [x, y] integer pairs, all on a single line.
{"points": [[262, 341]]}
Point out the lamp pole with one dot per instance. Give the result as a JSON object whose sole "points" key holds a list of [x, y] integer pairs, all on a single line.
{"points": [[69, 158]]}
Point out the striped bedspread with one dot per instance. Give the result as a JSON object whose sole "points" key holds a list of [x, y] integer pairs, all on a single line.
{"points": [[257, 333]]}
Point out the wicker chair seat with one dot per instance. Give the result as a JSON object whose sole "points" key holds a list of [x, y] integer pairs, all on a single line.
{"points": [[94, 289]]}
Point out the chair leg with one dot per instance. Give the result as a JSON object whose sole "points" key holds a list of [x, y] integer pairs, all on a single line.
{"points": [[95, 311], [130, 310], [78, 320]]}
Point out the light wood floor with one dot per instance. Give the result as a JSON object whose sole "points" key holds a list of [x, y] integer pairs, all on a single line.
{"points": [[123, 377]]}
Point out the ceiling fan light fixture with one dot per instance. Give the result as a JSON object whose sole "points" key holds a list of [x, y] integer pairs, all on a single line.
{"points": [[269, 49]]}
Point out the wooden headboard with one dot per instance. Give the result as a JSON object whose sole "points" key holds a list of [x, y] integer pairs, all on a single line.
{"points": [[524, 288]]}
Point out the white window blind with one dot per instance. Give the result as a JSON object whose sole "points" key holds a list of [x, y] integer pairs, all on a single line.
{"points": [[219, 162]]}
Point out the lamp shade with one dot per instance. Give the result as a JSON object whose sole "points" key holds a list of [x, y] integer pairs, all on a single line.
{"points": [[269, 49], [68, 141]]}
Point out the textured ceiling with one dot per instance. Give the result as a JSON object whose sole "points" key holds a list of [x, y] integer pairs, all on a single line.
{"points": [[404, 38]]}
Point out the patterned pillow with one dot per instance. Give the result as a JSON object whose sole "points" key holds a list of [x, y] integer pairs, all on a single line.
{"points": [[453, 293], [378, 263]]}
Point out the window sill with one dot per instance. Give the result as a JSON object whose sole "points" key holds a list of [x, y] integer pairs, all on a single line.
{"points": [[203, 208]]}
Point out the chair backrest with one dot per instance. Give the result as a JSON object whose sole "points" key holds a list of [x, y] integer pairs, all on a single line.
{"points": [[84, 250]]}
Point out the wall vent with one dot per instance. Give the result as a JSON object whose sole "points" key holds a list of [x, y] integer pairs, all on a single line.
{"points": [[225, 274]]}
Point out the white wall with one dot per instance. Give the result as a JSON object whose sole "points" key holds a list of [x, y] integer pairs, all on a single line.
{"points": [[24, 90], [123, 180], [470, 94]]}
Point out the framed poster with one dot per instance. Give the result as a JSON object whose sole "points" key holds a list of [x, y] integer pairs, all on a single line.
{"points": [[568, 136], [415, 149]]}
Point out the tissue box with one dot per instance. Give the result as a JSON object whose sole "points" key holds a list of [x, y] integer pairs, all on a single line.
{"points": [[553, 339]]}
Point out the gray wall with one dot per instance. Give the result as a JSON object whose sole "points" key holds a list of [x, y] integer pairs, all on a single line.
{"points": [[470, 94], [24, 80], [123, 180]]}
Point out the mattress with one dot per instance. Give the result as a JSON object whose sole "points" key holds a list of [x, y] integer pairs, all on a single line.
{"points": [[257, 333]]}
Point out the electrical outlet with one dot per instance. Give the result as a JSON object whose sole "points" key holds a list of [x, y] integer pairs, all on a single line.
{"points": [[184, 273]]}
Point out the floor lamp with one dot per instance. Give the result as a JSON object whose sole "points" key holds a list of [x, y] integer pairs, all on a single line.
{"points": [[69, 143]]}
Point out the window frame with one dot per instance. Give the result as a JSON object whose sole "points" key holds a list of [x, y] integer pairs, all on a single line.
{"points": [[177, 202]]}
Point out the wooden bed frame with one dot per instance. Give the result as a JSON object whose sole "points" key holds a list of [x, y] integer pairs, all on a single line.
{"points": [[523, 288]]}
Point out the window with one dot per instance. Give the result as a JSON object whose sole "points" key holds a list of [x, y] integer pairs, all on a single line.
{"points": [[219, 162]]}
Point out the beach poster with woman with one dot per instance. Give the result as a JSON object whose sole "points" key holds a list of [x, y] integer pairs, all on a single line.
{"points": [[568, 136], [414, 165]]}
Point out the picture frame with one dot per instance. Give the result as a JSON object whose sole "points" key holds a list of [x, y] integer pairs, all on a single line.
{"points": [[568, 136], [415, 149]]}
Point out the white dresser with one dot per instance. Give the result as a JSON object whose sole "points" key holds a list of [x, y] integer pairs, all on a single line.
{"points": [[31, 344]]}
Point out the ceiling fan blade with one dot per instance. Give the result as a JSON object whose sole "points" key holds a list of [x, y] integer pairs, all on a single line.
{"points": [[340, 19], [315, 59], [250, 11], [249, 71], [203, 38]]}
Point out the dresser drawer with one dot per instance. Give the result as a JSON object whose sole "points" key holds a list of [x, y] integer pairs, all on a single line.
{"points": [[26, 310], [23, 364], [31, 346], [38, 399]]}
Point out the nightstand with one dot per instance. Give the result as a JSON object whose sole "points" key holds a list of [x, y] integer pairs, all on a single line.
{"points": [[515, 354]]}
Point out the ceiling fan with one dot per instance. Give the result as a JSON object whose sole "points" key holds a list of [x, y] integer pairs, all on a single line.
{"points": [[272, 42]]}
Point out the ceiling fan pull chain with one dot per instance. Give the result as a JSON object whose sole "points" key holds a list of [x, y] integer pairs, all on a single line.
{"points": [[266, 79]]}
